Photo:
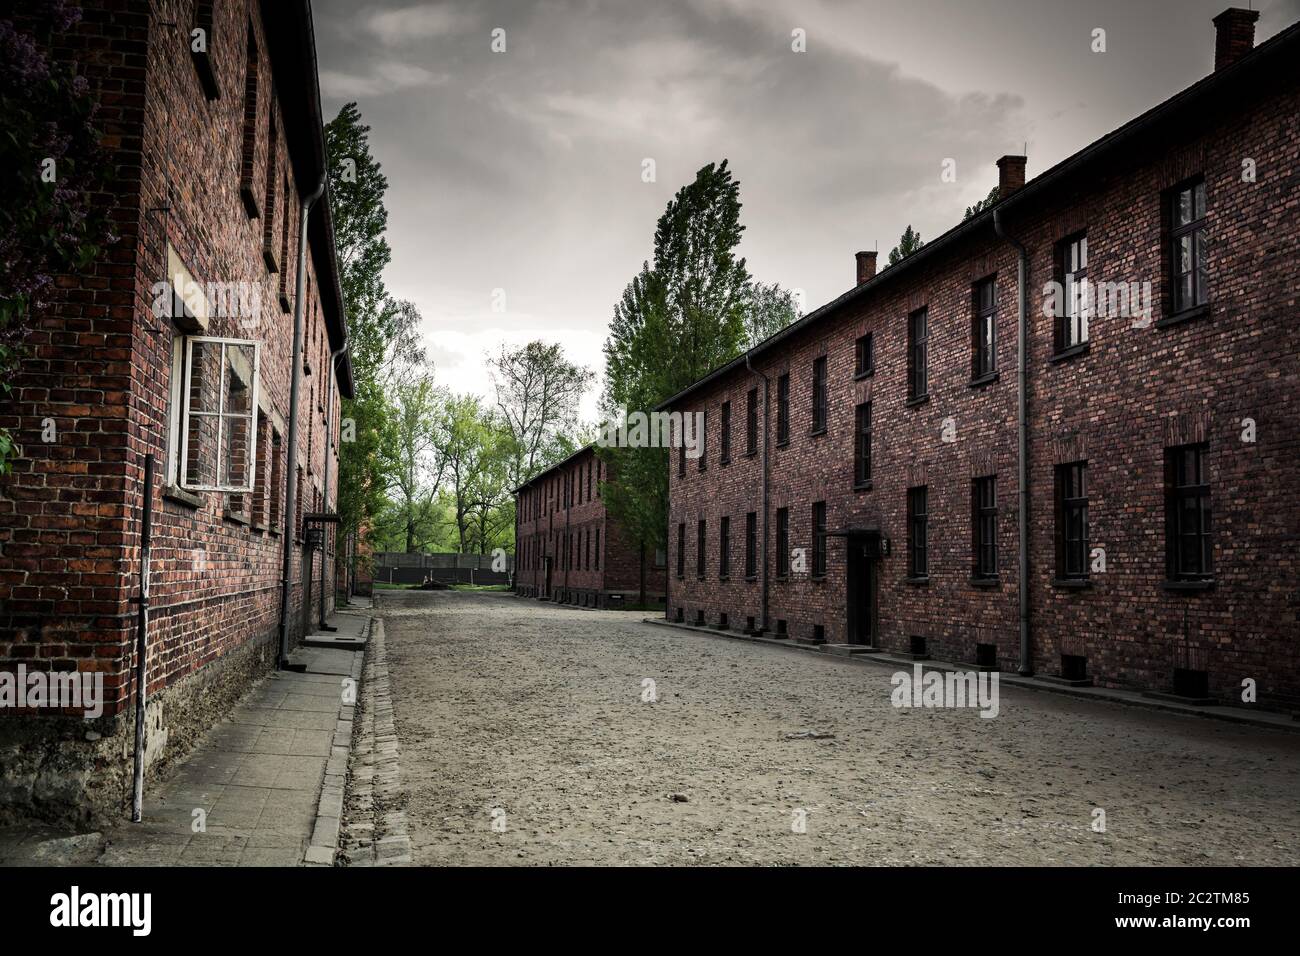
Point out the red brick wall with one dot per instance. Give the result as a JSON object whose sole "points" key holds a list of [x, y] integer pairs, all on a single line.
{"points": [[546, 518], [69, 556], [1119, 405]]}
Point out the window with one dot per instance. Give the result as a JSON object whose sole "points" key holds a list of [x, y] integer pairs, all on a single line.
{"points": [[268, 222], [1072, 521], [751, 422], [864, 362], [985, 361], [819, 395], [277, 480], [751, 544], [704, 440], [218, 418], [782, 542], [819, 539], [596, 554], [699, 549], [918, 529], [1187, 511], [248, 157], [724, 546], [783, 409], [1187, 246], [862, 445], [725, 455], [984, 502], [681, 461], [681, 549], [917, 333], [1072, 274], [200, 40]]}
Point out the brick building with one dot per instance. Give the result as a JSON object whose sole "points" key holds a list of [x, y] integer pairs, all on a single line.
{"points": [[965, 458], [177, 343], [568, 548]]}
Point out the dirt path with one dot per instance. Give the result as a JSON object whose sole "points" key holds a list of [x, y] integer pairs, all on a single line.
{"points": [[531, 715]]}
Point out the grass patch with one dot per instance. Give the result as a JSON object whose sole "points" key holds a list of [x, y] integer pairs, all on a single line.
{"points": [[384, 586], [480, 587]]}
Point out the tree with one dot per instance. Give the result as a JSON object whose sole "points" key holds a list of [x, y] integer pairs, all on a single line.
{"points": [[415, 459], [908, 243], [53, 166], [769, 309], [465, 438], [538, 391], [981, 204], [675, 322]]}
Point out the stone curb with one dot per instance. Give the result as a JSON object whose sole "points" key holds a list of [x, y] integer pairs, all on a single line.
{"points": [[1100, 694], [329, 807], [375, 831]]}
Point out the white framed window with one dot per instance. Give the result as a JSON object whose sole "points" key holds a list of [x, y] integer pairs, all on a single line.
{"points": [[218, 414]]}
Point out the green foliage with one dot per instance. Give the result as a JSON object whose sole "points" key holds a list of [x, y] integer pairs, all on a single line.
{"points": [[908, 243], [676, 321], [51, 165], [982, 204], [769, 310]]}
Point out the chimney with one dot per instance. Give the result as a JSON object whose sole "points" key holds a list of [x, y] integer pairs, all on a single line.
{"points": [[1011, 175], [1234, 36], [866, 266]]}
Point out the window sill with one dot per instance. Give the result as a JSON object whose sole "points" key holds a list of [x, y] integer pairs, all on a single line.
{"points": [[862, 486], [235, 517], [866, 373], [1074, 351], [1187, 315], [818, 578], [1072, 584], [993, 582], [1206, 584], [751, 577], [783, 444], [258, 526], [917, 580], [724, 462], [987, 378], [782, 577], [751, 454], [817, 432], [724, 577], [181, 496], [917, 400]]}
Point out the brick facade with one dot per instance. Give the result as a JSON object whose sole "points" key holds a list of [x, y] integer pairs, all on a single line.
{"points": [[1123, 402], [562, 525], [104, 367]]}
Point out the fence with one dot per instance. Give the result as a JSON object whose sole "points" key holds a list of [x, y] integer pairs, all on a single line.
{"points": [[396, 567]]}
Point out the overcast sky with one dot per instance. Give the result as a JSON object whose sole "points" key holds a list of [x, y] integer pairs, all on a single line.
{"points": [[522, 171]]}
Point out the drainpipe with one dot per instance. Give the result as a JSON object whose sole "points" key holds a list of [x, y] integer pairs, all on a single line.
{"points": [[291, 467], [766, 405], [1022, 428], [329, 441]]}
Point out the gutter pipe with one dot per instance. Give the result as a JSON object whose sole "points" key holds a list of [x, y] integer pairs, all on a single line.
{"points": [[1022, 428], [291, 467]]}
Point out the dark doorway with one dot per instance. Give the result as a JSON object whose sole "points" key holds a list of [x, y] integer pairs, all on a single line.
{"points": [[861, 590]]}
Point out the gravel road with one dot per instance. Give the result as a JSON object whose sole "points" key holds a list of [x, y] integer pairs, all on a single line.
{"points": [[525, 739]]}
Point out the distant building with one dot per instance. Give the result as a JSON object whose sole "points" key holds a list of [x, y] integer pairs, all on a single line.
{"points": [[568, 548]]}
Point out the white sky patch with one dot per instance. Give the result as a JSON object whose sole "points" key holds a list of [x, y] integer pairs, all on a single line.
{"points": [[460, 357], [385, 78], [422, 22]]}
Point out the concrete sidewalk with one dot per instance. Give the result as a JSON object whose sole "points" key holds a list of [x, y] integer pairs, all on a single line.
{"points": [[263, 788]]}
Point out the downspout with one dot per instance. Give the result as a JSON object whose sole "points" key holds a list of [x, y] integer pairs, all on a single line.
{"points": [[1022, 428], [291, 466], [766, 406], [329, 442]]}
